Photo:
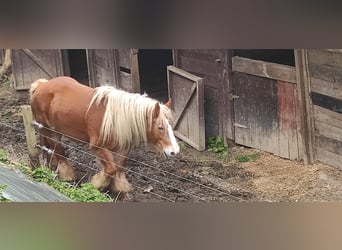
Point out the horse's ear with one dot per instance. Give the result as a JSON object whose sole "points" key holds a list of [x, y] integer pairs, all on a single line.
{"points": [[156, 110], [168, 103]]}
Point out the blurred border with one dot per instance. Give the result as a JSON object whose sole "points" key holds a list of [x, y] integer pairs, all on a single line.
{"points": [[169, 24], [170, 226], [157, 24]]}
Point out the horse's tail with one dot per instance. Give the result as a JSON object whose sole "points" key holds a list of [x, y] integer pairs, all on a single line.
{"points": [[35, 85]]}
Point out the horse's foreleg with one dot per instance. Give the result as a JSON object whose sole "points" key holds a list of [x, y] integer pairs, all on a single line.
{"points": [[102, 179], [119, 182], [111, 174]]}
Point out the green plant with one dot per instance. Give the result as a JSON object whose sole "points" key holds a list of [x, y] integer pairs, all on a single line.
{"points": [[216, 144], [2, 198], [3, 156], [85, 193], [247, 158]]}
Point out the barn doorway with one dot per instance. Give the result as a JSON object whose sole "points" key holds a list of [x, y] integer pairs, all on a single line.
{"points": [[153, 73], [75, 64]]}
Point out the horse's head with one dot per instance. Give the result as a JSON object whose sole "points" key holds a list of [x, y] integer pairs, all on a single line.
{"points": [[161, 133]]}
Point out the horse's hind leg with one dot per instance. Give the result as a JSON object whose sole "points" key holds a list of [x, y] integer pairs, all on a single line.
{"points": [[64, 169], [51, 161]]}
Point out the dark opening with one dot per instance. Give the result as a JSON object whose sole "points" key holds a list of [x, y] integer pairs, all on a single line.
{"points": [[281, 56], [153, 73], [78, 64]]}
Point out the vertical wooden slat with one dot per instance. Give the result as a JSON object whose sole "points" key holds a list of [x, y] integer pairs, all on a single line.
{"points": [[288, 139], [305, 134], [135, 71]]}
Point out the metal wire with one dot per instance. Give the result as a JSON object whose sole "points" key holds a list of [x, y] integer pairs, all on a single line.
{"points": [[148, 165], [40, 126]]}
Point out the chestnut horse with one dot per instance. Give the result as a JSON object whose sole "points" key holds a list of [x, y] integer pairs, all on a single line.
{"points": [[107, 118]]}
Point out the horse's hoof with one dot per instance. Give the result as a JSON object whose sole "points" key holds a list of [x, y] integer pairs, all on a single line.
{"points": [[100, 181], [65, 172]]}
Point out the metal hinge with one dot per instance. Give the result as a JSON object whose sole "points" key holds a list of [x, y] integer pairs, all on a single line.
{"points": [[232, 97], [238, 125]]}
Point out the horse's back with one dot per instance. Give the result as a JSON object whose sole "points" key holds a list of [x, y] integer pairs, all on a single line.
{"points": [[62, 103]]}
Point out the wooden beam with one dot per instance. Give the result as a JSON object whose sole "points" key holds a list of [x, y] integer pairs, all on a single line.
{"points": [[305, 120], [30, 136], [135, 71], [264, 69]]}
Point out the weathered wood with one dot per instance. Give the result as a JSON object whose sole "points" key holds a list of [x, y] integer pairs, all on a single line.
{"points": [[323, 87], [125, 81], [325, 65], [2, 56], [325, 57], [329, 144], [186, 92], [328, 130], [125, 58], [288, 135], [327, 116], [225, 103], [213, 65], [103, 67], [327, 102], [264, 69], [135, 80], [5, 61], [30, 136], [30, 65], [256, 117], [329, 158], [305, 117]]}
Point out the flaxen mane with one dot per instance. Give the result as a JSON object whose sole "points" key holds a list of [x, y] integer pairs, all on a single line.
{"points": [[127, 116]]}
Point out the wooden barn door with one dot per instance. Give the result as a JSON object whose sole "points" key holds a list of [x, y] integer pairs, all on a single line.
{"points": [[266, 107], [213, 65], [186, 93], [32, 64], [103, 67], [114, 67]]}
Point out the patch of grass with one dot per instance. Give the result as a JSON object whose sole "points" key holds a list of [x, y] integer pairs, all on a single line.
{"points": [[3, 156], [2, 198], [85, 193], [216, 144], [247, 158]]}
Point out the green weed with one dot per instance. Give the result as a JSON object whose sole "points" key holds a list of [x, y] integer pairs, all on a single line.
{"points": [[247, 158], [3, 156], [85, 193], [2, 198], [216, 144]]}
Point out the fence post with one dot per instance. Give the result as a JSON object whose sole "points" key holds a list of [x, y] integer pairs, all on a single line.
{"points": [[30, 136]]}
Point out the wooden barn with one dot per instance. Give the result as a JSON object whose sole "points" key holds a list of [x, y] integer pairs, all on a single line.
{"points": [[287, 102]]}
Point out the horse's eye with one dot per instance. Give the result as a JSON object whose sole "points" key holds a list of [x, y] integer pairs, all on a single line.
{"points": [[160, 128]]}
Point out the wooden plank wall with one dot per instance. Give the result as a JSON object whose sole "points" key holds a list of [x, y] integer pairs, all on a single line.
{"points": [[211, 65], [325, 70], [32, 64], [266, 107]]}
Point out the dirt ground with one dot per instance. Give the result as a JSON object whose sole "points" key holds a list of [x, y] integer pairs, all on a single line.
{"points": [[191, 176]]}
